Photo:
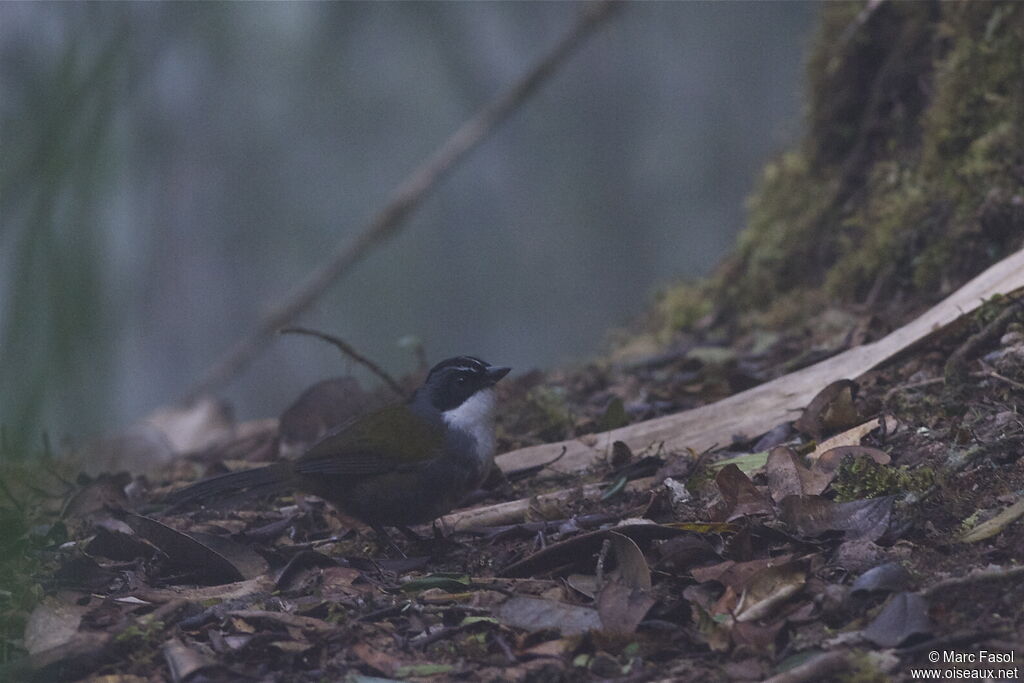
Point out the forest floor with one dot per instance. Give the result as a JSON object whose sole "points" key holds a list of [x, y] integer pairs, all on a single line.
{"points": [[779, 554]]}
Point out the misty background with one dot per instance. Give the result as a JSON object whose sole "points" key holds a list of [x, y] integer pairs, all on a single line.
{"points": [[168, 171]]}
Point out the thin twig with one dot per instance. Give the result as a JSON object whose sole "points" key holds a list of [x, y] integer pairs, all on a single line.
{"points": [[349, 351], [911, 386], [975, 577], [956, 367], [1013, 383], [822, 667], [387, 222]]}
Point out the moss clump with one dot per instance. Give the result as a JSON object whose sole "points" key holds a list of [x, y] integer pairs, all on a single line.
{"points": [[545, 412], [908, 181], [864, 669], [862, 477], [681, 306]]}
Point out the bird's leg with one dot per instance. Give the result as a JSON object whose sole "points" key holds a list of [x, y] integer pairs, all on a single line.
{"points": [[385, 540]]}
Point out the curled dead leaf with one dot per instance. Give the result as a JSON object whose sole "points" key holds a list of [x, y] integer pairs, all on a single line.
{"points": [[813, 516], [831, 410]]}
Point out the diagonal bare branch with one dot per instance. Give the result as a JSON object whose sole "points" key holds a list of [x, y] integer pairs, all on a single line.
{"points": [[407, 196]]}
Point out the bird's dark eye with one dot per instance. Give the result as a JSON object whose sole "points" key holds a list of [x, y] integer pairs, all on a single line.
{"points": [[460, 380]]}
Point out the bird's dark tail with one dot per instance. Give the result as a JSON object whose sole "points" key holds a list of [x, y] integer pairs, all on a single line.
{"points": [[261, 480]]}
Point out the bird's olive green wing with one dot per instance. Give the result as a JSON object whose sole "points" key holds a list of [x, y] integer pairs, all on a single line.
{"points": [[383, 441]]}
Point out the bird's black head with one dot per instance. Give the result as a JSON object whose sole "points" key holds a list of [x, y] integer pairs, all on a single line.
{"points": [[452, 381]]}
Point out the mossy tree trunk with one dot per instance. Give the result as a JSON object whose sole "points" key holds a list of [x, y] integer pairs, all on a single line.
{"points": [[910, 178]]}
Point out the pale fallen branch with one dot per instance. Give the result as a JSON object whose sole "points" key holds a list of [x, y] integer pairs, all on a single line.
{"points": [[759, 409], [825, 666], [515, 511]]}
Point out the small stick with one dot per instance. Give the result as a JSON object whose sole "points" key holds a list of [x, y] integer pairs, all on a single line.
{"points": [[349, 351], [975, 577], [822, 667], [995, 375], [956, 366]]}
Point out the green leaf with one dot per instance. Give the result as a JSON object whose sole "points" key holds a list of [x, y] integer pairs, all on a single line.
{"points": [[614, 416], [748, 463], [422, 670]]}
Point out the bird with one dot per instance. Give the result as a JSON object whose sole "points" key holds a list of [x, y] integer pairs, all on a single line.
{"points": [[405, 464]]}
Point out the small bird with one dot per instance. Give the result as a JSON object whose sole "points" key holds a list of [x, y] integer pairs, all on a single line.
{"points": [[405, 464]]}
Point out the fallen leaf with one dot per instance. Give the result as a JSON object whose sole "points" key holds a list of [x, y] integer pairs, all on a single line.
{"points": [[717, 634], [415, 670], [756, 637], [885, 578], [853, 436], [739, 496], [831, 410], [615, 416], [378, 660], [626, 597], [579, 549], [769, 588], [788, 476], [184, 661], [51, 624], [737, 574], [295, 647], [904, 617], [678, 555], [812, 516], [559, 647], [248, 562], [749, 464], [536, 614], [187, 551], [621, 608], [991, 527], [631, 566], [585, 584]]}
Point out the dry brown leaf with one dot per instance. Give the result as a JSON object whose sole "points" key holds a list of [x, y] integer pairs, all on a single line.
{"points": [[853, 436], [626, 597], [768, 589], [860, 519], [739, 496], [831, 410], [788, 476]]}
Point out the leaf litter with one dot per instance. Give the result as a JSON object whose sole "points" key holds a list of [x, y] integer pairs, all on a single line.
{"points": [[747, 562]]}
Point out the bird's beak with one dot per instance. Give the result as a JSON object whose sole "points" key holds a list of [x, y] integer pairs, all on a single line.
{"points": [[494, 374]]}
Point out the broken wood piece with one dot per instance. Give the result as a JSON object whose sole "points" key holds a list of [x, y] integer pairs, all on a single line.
{"points": [[515, 511]]}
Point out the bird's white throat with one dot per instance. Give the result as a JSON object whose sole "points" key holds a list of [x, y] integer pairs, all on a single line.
{"points": [[476, 418]]}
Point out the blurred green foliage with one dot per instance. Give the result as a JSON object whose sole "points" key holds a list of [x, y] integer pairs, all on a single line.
{"points": [[56, 157]]}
